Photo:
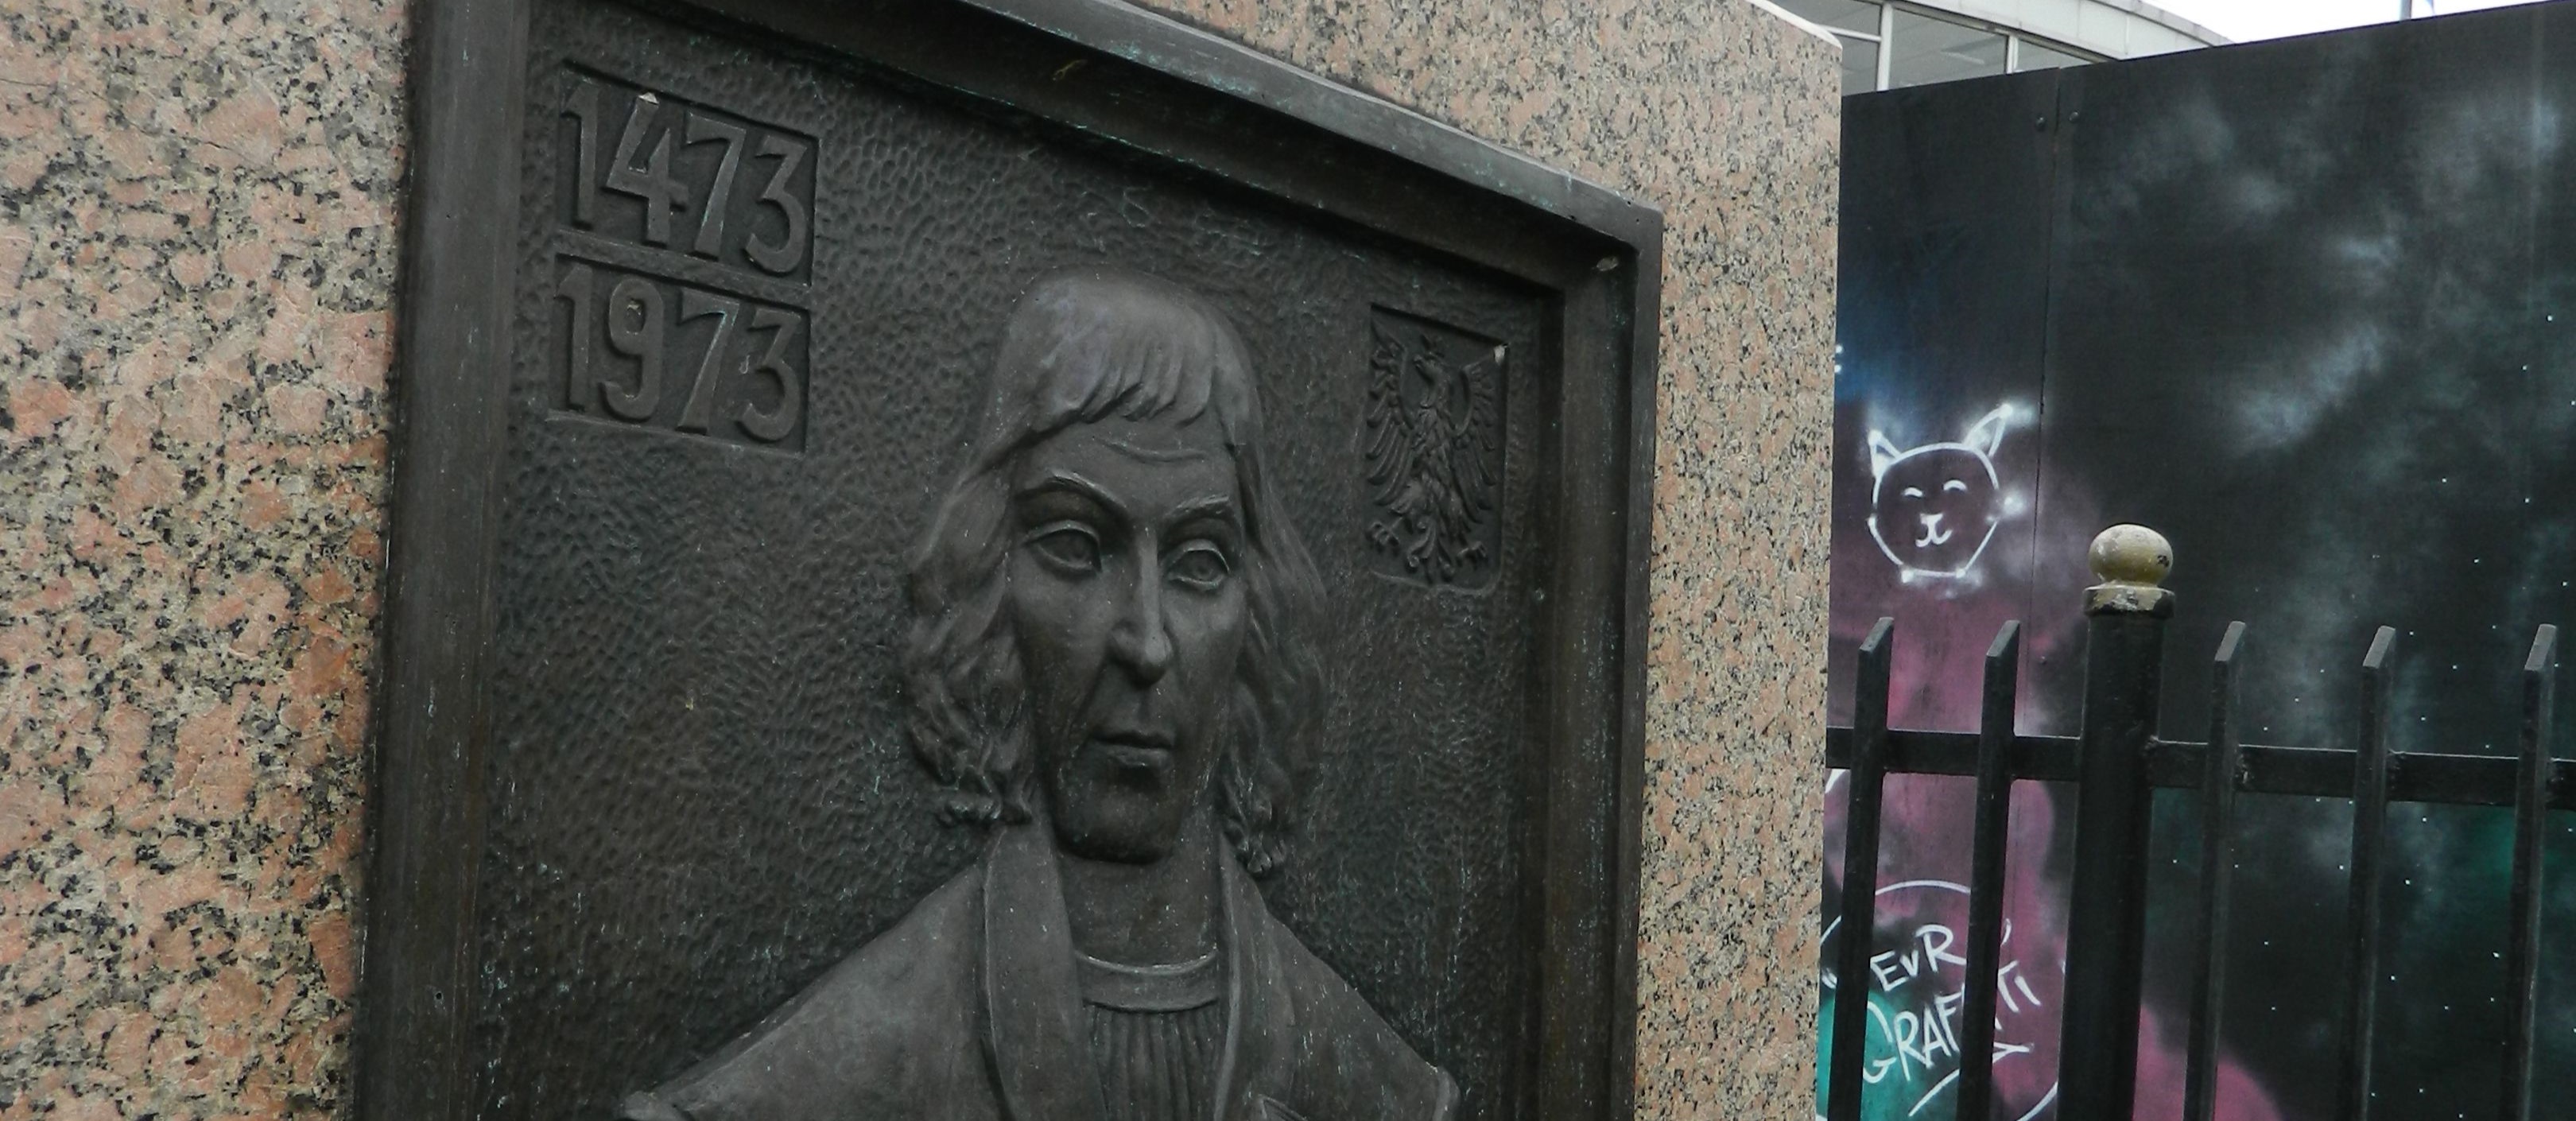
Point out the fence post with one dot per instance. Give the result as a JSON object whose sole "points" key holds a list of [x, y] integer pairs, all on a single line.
{"points": [[1845, 1058], [2220, 772], [1976, 1096], [2362, 925], [2106, 909], [2530, 857]]}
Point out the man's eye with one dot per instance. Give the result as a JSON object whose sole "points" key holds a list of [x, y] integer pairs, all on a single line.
{"points": [[1200, 566], [1067, 548]]}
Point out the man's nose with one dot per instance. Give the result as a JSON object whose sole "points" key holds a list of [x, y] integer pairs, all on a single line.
{"points": [[1141, 639]]}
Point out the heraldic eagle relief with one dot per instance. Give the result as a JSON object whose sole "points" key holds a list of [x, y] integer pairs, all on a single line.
{"points": [[1435, 422], [1106, 666]]}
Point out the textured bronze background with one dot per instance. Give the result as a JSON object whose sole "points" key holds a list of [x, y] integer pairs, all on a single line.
{"points": [[700, 794]]}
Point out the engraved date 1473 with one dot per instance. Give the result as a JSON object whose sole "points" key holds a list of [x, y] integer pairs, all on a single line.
{"points": [[653, 171]]}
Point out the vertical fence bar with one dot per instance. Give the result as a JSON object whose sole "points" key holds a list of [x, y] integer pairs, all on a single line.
{"points": [[2361, 919], [2530, 849], [1859, 908], [2217, 878], [1986, 875], [2106, 906]]}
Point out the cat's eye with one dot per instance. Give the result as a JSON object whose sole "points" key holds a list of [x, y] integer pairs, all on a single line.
{"points": [[1199, 565], [1954, 486], [1914, 492], [1066, 547]]}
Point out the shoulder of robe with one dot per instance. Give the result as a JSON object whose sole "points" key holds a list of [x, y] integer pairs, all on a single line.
{"points": [[1351, 1063], [893, 1030]]}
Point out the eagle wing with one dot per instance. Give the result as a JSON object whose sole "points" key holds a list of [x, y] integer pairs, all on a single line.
{"points": [[1479, 434], [1390, 424]]}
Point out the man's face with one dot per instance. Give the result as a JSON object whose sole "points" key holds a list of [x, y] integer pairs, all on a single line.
{"points": [[1126, 596]]}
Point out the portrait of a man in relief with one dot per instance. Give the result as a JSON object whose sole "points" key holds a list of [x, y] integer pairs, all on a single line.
{"points": [[1105, 664]]}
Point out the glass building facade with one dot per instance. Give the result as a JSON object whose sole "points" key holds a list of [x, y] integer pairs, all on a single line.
{"points": [[1891, 44]]}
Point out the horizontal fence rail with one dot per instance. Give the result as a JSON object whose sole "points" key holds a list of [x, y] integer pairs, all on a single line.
{"points": [[2323, 772], [2116, 763]]}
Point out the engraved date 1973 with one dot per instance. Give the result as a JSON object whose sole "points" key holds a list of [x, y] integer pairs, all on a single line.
{"points": [[648, 351]]}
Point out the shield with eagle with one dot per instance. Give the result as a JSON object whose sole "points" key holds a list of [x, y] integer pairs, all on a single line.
{"points": [[1435, 451]]}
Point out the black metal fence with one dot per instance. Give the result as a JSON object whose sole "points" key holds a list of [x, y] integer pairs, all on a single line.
{"points": [[2117, 761]]}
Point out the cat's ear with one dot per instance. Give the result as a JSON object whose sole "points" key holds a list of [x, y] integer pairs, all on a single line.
{"points": [[1881, 453], [1988, 433]]}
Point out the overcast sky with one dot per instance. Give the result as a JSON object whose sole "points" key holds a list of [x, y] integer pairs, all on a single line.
{"points": [[2242, 20]]}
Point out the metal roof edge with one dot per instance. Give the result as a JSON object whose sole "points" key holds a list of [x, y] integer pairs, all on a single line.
{"points": [[2135, 9], [1797, 22], [2154, 14]]}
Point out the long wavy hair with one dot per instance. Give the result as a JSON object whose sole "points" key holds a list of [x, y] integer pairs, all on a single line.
{"points": [[1084, 345]]}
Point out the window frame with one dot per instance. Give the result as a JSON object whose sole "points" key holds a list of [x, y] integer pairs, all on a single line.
{"points": [[2013, 40]]}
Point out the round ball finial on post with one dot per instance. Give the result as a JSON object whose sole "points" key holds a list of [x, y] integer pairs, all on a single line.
{"points": [[2130, 560]]}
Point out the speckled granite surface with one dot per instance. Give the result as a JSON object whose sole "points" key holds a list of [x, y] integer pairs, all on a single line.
{"points": [[196, 265], [196, 262], [1726, 116]]}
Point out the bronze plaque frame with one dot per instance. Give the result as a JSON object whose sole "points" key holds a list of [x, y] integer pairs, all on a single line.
{"points": [[1093, 72]]}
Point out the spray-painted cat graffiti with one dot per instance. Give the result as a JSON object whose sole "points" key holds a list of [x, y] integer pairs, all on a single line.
{"points": [[1936, 506]]}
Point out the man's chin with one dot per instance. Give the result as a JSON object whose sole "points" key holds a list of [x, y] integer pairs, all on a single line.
{"points": [[1120, 840]]}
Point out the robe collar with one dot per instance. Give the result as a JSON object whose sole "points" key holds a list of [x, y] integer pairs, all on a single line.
{"points": [[1037, 1036]]}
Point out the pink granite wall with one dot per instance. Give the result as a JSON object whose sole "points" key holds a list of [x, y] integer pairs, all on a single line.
{"points": [[1727, 117], [197, 257]]}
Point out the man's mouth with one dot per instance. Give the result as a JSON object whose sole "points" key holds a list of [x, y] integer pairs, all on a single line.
{"points": [[1139, 754]]}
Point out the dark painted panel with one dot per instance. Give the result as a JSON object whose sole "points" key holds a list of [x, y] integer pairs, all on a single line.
{"points": [[2300, 320], [1941, 323], [1941, 338], [2291, 335]]}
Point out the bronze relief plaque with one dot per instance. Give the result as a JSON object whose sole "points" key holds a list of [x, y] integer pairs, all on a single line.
{"points": [[1019, 560]]}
